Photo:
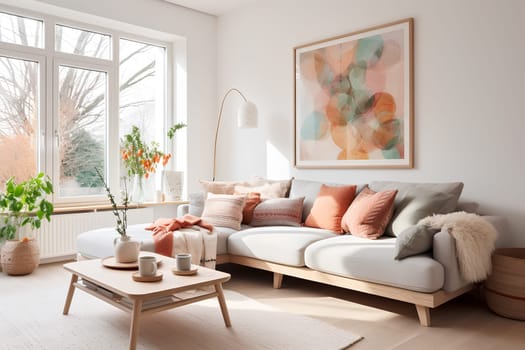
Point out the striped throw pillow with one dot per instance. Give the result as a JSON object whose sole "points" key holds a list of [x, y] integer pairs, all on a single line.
{"points": [[278, 211], [224, 210]]}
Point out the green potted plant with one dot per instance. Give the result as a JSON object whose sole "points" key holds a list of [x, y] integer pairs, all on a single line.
{"points": [[23, 204]]}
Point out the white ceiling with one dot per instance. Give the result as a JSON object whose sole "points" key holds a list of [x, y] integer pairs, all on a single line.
{"points": [[212, 7]]}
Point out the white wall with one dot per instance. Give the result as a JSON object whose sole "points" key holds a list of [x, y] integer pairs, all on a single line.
{"points": [[199, 32], [469, 82]]}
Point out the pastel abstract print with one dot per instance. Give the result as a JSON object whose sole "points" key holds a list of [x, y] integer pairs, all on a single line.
{"points": [[353, 99]]}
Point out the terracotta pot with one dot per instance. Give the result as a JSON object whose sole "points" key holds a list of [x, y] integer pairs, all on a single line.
{"points": [[127, 250], [20, 257]]}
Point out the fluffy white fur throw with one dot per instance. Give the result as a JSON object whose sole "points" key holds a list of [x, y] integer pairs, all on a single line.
{"points": [[475, 238]]}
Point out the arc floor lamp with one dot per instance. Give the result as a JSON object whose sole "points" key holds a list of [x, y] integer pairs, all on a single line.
{"points": [[246, 119]]}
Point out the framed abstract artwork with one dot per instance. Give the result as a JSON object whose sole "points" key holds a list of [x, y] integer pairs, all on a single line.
{"points": [[354, 100]]}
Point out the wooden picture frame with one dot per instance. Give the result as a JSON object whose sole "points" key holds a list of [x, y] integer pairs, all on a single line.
{"points": [[354, 99]]}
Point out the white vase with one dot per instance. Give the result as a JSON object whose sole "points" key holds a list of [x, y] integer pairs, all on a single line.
{"points": [[126, 250], [172, 184]]}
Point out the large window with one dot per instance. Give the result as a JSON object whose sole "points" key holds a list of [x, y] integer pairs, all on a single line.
{"points": [[142, 88], [68, 93]]}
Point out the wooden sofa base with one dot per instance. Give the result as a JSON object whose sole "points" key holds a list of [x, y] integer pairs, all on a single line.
{"points": [[422, 301]]}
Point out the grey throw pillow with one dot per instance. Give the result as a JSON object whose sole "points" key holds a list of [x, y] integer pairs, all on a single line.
{"points": [[416, 206], [414, 240], [415, 201], [196, 203]]}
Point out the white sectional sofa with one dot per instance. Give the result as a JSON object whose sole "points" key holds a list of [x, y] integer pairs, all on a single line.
{"points": [[426, 280]]}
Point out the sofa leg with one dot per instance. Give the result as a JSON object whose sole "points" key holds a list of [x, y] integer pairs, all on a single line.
{"points": [[423, 313], [277, 280]]}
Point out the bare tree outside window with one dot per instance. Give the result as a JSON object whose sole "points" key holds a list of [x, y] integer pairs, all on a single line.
{"points": [[18, 118], [82, 104], [82, 130], [20, 30], [142, 89]]}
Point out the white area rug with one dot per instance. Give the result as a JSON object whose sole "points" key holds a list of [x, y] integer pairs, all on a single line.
{"points": [[31, 318]]}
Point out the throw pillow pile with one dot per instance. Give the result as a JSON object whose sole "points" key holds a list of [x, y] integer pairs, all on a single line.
{"points": [[222, 205], [369, 211]]}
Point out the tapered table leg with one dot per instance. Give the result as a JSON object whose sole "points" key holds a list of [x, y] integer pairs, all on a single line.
{"points": [[70, 292], [135, 323], [222, 303]]}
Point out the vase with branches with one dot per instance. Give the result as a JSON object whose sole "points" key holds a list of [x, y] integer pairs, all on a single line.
{"points": [[126, 249]]}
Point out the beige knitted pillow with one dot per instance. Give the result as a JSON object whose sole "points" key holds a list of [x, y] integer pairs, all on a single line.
{"points": [[224, 210]]}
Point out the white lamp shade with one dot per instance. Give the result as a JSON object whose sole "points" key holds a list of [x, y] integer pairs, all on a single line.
{"points": [[247, 115]]}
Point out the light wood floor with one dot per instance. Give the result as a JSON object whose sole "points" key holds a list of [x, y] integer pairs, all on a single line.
{"points": [[464, 323]]}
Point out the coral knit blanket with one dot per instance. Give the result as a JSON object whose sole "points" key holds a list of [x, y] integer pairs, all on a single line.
{"points": [[187, 234]]}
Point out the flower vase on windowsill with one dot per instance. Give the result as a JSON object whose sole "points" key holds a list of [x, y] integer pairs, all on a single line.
{"points": [[141, 160], [137, 192]]}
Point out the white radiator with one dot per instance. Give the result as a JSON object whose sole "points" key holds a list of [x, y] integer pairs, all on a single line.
{"points": [[57, 239]]}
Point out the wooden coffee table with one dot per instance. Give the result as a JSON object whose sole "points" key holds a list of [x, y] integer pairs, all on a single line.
{"points": [[116, 287]]}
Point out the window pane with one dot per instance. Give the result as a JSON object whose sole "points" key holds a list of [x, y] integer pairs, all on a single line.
{"points": [[142, 88], [82, 130], [142, 91], [20, 30], [82, 42], [19, 111]]}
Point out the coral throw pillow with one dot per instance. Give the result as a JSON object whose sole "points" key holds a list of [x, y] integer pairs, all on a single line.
{"points": [[252, 200], [329, 207], [369, 213]]}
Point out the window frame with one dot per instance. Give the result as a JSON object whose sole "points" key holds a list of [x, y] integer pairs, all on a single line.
{"points": [[108, 133], [49, 60]]}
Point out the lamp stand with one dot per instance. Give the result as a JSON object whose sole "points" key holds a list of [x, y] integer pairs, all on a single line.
{"points": [[219, 124]]}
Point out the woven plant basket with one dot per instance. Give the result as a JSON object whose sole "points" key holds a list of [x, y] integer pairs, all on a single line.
{"points": [[505, 287], [20, 257]]}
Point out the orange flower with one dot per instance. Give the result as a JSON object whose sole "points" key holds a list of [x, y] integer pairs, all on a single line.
{"points": [[156, 158], [25, 239], [165, 159], [139, 153], [146, 175], [125, 155]]}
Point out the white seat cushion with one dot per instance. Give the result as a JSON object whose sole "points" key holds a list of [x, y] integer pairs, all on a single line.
{"points": [[279, 244], [373, 261]]}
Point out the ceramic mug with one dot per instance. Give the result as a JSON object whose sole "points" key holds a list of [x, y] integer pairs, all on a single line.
{"points": [[183, 261], [147, 266]]}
